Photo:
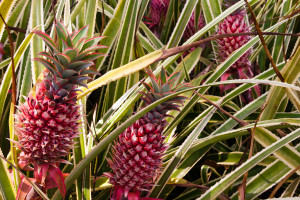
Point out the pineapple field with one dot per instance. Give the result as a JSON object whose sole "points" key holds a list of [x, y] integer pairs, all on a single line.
{"points": [[149, 99]]}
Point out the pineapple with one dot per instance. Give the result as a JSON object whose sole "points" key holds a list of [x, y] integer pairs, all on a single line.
{"points": [[242, 68], [48, 121], [158, 11], [137, 153], [234, 23], [190, 29]]}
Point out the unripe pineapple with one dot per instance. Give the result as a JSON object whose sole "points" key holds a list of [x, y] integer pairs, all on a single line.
{"points": [[48, 121], [136, 159]]}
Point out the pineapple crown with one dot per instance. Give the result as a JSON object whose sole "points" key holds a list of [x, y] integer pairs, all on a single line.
{"points": [[69, 56], [163, 86]]}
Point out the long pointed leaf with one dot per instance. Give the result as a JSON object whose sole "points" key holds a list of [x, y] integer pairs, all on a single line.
{"points": [[5, 9], [217, 189], [37, 20], [6, 81]]}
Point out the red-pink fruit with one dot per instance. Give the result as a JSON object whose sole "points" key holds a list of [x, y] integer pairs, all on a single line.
{"points": [[190, 29], [48, 121], [234, 23], [241, 69], [158, 10], [136, 159]]}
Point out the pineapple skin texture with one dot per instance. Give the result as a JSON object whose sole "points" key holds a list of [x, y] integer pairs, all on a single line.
{"points": [[234, 23], [46, 128], [158, 9], [137, 155]]}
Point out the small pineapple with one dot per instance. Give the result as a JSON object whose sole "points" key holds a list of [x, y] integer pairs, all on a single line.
{"points": [[137, 153], [234, 23], [48, 121], [158, 11], [241, 69], [190, 29]]}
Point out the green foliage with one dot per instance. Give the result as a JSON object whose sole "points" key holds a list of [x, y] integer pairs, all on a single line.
{"points": [[205, 144]]}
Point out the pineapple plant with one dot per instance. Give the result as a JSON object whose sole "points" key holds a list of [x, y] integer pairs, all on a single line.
{"points": [[137, 153], [242, 68], [48, 121], [205, 168]]}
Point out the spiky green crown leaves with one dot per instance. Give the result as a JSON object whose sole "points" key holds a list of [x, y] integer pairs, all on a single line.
{"points": [[69, 56], [161, 87]]}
